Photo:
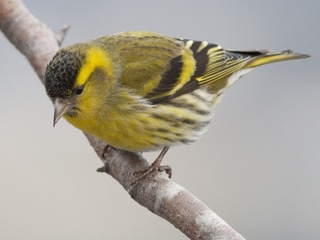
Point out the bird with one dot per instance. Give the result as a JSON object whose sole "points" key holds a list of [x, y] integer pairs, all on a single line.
{"points": [[142, 91]]}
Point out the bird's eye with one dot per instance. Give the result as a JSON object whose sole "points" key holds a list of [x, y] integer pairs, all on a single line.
{"points": [[78, 90]]}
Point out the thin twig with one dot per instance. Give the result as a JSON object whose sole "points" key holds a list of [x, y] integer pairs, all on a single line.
{"points": [[62, 34]]}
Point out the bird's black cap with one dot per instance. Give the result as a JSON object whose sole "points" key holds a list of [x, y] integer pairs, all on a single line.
{"points": [[61, 74]]}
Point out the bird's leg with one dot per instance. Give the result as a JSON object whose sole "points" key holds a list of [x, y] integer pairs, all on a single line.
{"points": [[102, 156], [155, 166]]}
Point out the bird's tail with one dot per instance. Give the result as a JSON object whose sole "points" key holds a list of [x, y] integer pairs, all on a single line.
{"points": [[266, 57]]}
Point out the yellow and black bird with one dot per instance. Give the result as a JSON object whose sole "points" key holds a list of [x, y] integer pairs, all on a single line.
{"points": [[142, 91]]}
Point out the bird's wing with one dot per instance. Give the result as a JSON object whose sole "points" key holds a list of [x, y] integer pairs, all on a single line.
{"points": [[161, 68]]}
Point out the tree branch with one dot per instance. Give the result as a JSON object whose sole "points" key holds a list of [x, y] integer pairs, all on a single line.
{"points": [[159, 194]]}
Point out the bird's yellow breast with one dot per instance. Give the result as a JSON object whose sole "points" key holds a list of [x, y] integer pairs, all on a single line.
{"points": [[139, 126]]}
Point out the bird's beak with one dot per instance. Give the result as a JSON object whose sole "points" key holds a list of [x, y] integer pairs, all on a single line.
{"points": [[61, 107]]}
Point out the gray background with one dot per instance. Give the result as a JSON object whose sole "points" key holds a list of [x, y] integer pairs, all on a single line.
{"points": [[257, 167]]}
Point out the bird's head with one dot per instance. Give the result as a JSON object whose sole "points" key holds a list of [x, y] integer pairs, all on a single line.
{"points": [[75, 80]]}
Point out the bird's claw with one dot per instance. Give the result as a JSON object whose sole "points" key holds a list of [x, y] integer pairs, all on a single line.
{"points": [[150, 170]]}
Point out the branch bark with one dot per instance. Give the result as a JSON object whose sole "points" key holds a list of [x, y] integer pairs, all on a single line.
{"points": [[159, 194]]}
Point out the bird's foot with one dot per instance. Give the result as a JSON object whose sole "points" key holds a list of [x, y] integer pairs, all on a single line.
{"points": [[155, 166]]}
